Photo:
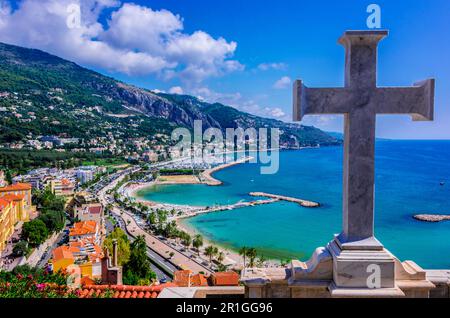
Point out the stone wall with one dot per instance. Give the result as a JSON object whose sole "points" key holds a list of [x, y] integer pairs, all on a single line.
{"points": [[38, 252], [441, 279]]}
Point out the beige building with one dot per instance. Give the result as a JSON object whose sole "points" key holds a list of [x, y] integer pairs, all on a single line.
{"points": [[62, 187], [2, 179], [89, 212], [15, 206]]}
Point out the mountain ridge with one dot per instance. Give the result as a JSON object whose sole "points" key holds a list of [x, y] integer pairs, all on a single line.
{"points": [[78, 102]]}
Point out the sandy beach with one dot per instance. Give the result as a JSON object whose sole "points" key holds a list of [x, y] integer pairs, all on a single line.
{"points": [[232, 258], [178, 179], [206, 177]]}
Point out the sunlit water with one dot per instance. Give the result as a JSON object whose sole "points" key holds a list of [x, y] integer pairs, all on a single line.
{"points": [[408, 176]]}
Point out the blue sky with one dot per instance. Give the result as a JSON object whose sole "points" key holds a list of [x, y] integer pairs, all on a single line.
{"points": [[253, 48]]}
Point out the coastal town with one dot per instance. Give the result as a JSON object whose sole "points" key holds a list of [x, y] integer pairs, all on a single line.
{"points": [[166, 150], [85, 221]]}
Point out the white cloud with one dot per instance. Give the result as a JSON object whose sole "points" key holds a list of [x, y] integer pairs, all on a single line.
{"points": [[136, 40], [138, 27], [237, 101], [208, 95], [272, 66], [277, 112], [283, 83], [252, 107], [176, 90], [326, 122]]}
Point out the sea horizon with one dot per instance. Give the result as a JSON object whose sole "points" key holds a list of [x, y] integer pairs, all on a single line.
{"points": [[283, 230]]}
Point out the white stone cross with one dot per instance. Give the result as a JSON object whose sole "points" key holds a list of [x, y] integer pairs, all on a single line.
{"points": [[360, 101]]}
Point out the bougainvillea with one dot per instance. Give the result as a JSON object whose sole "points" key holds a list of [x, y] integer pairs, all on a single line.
{"points": [[26, 282]]}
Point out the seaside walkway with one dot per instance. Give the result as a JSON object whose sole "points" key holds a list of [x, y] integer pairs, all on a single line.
{"points": [[229, 207], [164, 250], [153, 243]]}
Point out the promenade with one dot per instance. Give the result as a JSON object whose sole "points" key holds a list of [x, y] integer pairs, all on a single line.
{"points": [[161, 248], [153, 243]]}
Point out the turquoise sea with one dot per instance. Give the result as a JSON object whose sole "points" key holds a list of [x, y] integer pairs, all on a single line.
{"points": [[408, 176]]}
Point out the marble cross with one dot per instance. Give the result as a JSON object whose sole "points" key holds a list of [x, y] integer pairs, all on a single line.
{"points": [[360, 101]]}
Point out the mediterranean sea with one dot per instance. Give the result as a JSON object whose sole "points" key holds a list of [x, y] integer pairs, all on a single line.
{"points": [[408, 182]]}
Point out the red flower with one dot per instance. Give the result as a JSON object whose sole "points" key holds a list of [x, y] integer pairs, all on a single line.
{"points": [[40, 287], [19, 276], [30, 276]]}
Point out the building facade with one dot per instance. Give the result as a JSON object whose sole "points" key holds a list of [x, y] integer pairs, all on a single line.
{"points": [[2, 179], [62, 187], [89, 212], [85, 175], [85, 230], [15, 206]]}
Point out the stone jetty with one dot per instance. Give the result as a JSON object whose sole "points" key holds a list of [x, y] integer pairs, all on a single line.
{"points": [[234, 206], [304, 203], [432, 217], [207, 178]]}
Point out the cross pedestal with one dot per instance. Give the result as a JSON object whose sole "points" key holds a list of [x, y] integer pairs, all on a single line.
{"points": [[356, 253]]}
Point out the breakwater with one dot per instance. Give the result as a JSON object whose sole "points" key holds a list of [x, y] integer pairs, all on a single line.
{"points": [[304, 203], [226, 208], [207, 178], [432, 217]]}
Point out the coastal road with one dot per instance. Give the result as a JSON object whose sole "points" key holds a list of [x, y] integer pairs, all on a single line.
{"points": [[48, 253], [162, 268], [159, 250], [159, 247]]}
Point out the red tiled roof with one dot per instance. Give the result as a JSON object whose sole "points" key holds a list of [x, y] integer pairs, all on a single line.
{"points": [[123, 291], [62, 252], [9, 198], [86, 281], [184, 278], [83, 228], [68, 251], [96, 209], [13, 197], [225, 279], [4, 203], [16, 187]]}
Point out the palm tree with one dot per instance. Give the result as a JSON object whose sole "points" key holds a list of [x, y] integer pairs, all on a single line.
{"points": [[243, 253], [261, 261], [251, 253], [209, 251], [186, 239], [220, 257], [198, 242]]}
